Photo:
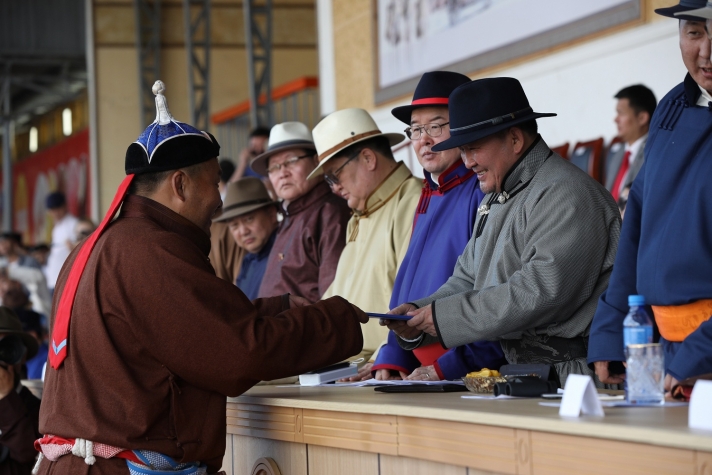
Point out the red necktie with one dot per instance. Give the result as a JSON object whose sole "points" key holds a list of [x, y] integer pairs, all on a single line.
{"points": [[622, 171], [60, 332]]}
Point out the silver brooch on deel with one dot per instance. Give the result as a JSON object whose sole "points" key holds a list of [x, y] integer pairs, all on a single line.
{"points": [[482, 210]]}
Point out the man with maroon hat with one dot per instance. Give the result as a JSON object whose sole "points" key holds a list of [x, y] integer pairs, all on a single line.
{"points": [[157, 342], [443, 224]]}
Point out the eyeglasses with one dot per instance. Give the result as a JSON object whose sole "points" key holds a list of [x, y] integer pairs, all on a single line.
{"points": [[287, 164], [332, 179], [433, 130]]}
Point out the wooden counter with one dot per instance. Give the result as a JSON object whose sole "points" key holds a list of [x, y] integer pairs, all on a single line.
{"points": [[358, 431]]}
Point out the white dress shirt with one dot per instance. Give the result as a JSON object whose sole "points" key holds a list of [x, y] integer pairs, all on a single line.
{"points": [[633, 148], [62, 232], [705, 98]]}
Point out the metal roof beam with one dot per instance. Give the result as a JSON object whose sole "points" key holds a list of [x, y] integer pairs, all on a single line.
{"points": [[148, 46], [258, 33], [196, 16]]}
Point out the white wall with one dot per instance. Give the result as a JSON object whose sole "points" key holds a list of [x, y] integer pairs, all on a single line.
{"points": [[327, 73], [579, 83]]}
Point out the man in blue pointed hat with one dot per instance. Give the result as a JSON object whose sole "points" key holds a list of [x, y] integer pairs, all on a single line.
{"points": [[542, 248], [665, 253], [138, 382], [442, 226]]}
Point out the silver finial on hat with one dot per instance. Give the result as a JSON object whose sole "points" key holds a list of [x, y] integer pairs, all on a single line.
{"points": [[163, 115]]}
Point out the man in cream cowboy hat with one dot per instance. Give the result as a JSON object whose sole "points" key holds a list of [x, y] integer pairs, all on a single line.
{"points": [[251, 217], [356, 160], [312, 235]]}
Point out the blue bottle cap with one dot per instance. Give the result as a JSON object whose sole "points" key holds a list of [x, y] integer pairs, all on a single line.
{"points": [[636, 300]]}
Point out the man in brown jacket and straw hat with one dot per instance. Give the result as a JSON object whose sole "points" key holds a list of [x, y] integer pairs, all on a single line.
{"points": [[19, 409], [251, 218]]}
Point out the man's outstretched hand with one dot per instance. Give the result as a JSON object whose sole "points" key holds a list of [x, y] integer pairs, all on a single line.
{"points": [[297, 301], [362, 317]]}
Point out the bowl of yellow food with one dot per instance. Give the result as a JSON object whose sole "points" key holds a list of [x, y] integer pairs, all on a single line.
{"points": [[483, 381]]}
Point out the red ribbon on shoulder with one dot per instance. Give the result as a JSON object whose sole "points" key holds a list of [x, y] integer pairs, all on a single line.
{"points": [[60, 332]]}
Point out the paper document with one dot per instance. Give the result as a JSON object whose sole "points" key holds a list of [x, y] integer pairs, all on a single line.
{"points": [[375, 382], [491, 396], [395, 382], [606, 403]]}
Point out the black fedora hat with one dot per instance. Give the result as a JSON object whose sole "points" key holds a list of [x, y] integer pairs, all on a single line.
{"points": [[433, 89], [683, 6], [484, 107]]}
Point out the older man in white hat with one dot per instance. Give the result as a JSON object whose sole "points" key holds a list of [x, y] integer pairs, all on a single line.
{"points": [[251, 218], [312, 235], [356, 159]]}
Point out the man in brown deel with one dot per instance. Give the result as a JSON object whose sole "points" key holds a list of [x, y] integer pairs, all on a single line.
{"points": [[138, 382]]}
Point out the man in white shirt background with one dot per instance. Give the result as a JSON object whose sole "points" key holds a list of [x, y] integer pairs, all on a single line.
{"points": [[17, 265], [63, 236], [634, 109]]}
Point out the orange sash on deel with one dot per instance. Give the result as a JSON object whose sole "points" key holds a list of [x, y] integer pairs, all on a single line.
{"points": [[677, 322]]}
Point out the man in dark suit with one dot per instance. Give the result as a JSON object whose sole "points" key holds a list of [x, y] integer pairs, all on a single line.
{"points": [[634, 109]]}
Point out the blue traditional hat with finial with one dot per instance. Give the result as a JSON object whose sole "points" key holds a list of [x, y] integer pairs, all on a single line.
{"points": [[167, 144]]}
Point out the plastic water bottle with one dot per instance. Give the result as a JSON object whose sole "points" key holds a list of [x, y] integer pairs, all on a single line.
{"points": [[637, 326], [645, 371]]}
